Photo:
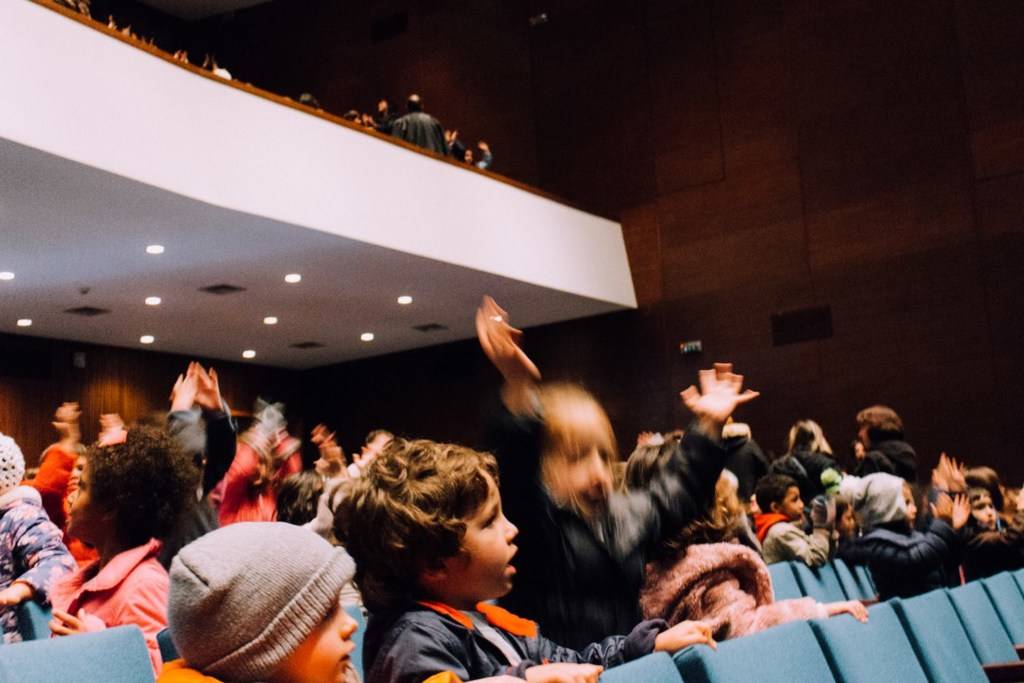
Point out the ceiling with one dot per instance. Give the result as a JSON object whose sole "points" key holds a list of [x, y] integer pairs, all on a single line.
{"points": [[200, 9], [67, 228]]}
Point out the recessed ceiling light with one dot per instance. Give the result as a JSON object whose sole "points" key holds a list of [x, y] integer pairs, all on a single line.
{"points": [[366, 336], [24, 322], [153, 301], [155, 249], [248, 353], [270, 320], [292, 278], [147, 339], [6, 275], [405, 299]]}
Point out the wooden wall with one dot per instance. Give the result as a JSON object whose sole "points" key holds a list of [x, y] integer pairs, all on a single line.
{"points": [[37, 375], [763, 157]]}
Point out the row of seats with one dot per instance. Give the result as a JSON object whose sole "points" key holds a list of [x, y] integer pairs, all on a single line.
{"points": [[962, 635], [833, 582]]}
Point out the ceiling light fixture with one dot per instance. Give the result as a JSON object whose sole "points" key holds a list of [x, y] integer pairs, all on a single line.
{"points": [[155, 249], [147, 339], [24, 322], [153, 300], [270, 320], [248, 353], [292, 278], [366, 336], [6, 275], [405, 300]]}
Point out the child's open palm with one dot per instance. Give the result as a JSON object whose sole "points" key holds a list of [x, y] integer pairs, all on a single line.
{"points": [[718, 397]]}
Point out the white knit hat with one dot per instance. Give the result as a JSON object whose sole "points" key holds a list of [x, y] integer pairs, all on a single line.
{"points": [[12, 464]]}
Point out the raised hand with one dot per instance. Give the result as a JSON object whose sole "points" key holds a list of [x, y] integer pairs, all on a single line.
{"points": [[112, 430], [684, 634], [183, 394], [500, 342], [65, 421], [718, 397], [208, 390], [961, 511]]}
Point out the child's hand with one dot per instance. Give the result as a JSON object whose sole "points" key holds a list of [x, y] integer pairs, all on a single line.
{"points": [[322, 437], [183, 393], [65, 624], [717, 399], [961, 511], [500, 342], [684, 634], [208, 390], [15, 594], [564, 673], [112, 430], [854, 608]]}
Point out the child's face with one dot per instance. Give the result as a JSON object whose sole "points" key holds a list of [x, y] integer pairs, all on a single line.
{"points": [[85, 520], [583, 477], [323, 655], [848, 524], [482, 570], [908, 498], [984, 512], [791, 505]]}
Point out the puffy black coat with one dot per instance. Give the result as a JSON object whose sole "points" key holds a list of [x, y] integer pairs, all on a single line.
{"points": [[892, 456], [904, 563]]}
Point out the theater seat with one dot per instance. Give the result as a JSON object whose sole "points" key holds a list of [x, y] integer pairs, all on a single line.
{"points": [[357, 654], [938, 638], [655, 668], [168, 651], [1009, 604], [864, 578], [991, 643], [784, 583], [820, 583], [867, 653], [784, 654], [33, 620], [115, 655], [853, 585]]}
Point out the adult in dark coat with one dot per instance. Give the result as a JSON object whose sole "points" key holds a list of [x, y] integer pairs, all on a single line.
{"points": [[881, 431], [744, 458], [420, 128]]}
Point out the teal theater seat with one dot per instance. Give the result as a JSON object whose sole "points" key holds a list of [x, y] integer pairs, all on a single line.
{"points": [[784, 583], [784, 654], [939, 639], [115, 655], [33, 620], [867, 653], [991, 643], [820, 583], [657, 667], [1009, 603], [853, 584]]}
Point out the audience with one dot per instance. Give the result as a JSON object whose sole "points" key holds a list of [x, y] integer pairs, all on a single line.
{"points": [[419, 128], [880, 429]]}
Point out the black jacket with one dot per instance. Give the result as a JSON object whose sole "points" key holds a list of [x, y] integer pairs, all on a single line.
{"points": [[892, 456], [807, 469], [745, 459], [582, 583], [904, 563], [422, 130], [411, 644]]}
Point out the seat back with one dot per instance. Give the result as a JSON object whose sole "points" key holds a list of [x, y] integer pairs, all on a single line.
{"points": [[939, 639], [852, 587], [784, 583], [1009, 603], [168, 651], [784, 654], [876, 651], [863, 575], [981, 622], [356, 657], [820, 583], [33, 620], [115, 655], [656, 667]]}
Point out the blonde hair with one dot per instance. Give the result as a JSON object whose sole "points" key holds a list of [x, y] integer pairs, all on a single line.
{"points": [[807, 435], [574, 423]]}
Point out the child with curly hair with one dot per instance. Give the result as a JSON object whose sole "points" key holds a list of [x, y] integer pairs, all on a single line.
{"points": [[129, 495]]}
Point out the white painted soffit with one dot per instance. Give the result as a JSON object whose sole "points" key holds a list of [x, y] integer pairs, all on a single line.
{"points": [[81, 95]]}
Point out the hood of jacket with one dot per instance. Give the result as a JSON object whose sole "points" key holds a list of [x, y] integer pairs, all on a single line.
{"points": [[18, 496], [877, 499], [764, 521]]}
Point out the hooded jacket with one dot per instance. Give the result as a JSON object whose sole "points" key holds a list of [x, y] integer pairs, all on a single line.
{"points": [[891, 456], [410, 644], [783, 541], [724, 584]]}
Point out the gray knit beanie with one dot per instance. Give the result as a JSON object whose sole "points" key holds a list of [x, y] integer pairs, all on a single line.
{"points": [[876, 498], [244, 597]]}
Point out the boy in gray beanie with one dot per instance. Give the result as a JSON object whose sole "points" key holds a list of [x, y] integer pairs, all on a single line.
{"points": [[259, 601]]}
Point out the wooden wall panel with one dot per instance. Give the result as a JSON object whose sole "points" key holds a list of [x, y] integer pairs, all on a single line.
{"points": [[132, 383]]}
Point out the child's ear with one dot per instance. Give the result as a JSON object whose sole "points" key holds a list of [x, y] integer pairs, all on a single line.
{"points": [[433, 576], [775, 507]]}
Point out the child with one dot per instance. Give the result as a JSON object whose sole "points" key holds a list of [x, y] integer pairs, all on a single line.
{"points": [[32, 555], [903, 562], [258, 601], [583, 547], [425, 526], [807, 447], [129, 495], [703, 572], [782, 539], [56, 463], [298, 497], [266, 456]]}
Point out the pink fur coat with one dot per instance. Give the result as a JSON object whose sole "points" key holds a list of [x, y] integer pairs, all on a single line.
{"points": [[725, 584]]}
